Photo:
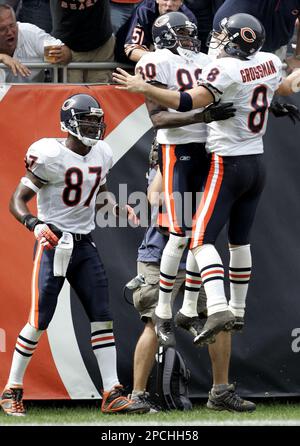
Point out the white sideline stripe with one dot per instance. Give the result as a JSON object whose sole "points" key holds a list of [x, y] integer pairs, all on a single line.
{"points": [[128, 132], [3, 90], [65, 350]]}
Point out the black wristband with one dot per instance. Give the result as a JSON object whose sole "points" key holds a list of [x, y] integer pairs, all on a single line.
{"points": [[186, 102], [30, 221]]}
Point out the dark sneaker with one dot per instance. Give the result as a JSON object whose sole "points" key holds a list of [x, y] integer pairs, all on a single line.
{"points": [[229, 400], [194, 325], [238, 324], [221, 321], [12, 401], [164, 331], [144, 398], [114, 401]]}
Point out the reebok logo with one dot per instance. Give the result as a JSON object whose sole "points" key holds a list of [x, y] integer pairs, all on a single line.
{"points": [[185, 158]]}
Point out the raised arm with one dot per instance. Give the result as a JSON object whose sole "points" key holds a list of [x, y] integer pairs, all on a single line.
{"points": [[182, 101]]}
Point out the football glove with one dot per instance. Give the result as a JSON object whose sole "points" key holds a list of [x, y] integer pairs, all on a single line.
{"points": [[289, 110], [45, 236], [218, 112]]}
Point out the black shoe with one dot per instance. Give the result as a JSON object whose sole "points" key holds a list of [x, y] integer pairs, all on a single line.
{"points": [[144, 400], [164, 331], [238, 324], [194, 324], [221, 321], [229, 400]]}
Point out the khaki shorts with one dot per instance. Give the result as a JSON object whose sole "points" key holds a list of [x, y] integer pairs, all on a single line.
{"points": [[145, 298]]}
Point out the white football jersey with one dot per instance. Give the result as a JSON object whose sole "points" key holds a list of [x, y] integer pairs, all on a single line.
{"points": [[250, 85], [71, 182], [176, 73]]}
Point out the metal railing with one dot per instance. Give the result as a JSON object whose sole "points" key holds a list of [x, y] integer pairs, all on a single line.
{"points": [[63, 69]]}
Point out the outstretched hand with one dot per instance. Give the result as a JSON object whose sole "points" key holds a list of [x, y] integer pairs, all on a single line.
{"points": [[279, 110], [15, 65], [133, 84]]}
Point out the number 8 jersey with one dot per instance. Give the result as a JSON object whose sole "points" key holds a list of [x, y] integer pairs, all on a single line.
{"points": [[70, 182], [250, 85]]}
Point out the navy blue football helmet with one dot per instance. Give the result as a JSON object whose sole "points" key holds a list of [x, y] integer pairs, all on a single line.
{"points": [[82, 116], [241, 36], [174, 30]]}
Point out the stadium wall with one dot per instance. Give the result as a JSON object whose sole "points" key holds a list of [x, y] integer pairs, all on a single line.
{"points": [[265, 356]]}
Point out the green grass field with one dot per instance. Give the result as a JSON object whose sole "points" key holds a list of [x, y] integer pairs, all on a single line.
{"points": [[271, 413]]}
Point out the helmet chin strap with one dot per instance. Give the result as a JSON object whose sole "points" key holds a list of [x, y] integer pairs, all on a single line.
{"points": [[88, 142]]}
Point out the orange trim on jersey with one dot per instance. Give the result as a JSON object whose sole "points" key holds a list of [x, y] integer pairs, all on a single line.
{"points": [[169, 160], [24, 346], [208, 200], [105, 338], [34, 310]]}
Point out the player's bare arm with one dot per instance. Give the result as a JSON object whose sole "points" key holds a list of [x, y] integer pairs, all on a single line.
{"points": [[25, 191], [161, 118], [154, 193], [183, 101], [22, 195]]}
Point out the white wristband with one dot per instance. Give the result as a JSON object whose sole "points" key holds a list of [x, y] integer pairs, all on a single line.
{"points": [[28, 183]]}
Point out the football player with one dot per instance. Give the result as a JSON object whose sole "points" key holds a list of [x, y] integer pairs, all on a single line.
{"points": [[249, 78], [176, 64], [66, 175]]}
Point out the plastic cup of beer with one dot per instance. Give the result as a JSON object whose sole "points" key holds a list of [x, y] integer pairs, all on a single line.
{"points": [[48, 46]]}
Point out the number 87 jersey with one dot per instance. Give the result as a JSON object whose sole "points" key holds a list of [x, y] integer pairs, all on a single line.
{"points": [[250, 84], [70, 182]]}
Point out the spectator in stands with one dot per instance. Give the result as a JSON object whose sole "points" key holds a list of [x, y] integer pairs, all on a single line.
{"points": [[25, 42], [278, 18], [204, 11], [32, 11], [139, 37], [86, 28], [120, 11]]}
